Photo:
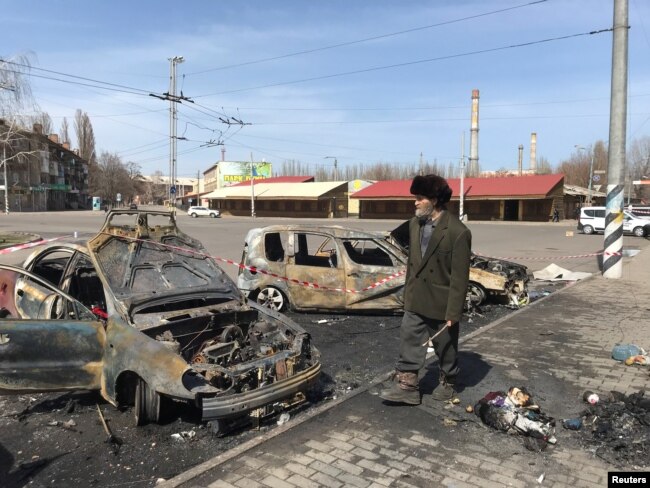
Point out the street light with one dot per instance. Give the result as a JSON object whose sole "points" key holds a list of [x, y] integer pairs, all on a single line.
{"points": [[336, 163], [591, 171]]}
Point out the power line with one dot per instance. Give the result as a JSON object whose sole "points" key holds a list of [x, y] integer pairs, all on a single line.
{"points": [[70, 76], [409, 63], [373, 38]]}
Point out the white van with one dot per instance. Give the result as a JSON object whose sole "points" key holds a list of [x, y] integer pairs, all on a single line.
{"points": [[592, 219]]}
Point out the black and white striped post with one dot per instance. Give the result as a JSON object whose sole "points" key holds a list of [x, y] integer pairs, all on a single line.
{"points": [[613, 245]]}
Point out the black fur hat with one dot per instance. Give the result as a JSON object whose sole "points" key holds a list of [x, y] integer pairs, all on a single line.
{"points": [[432, 187]]}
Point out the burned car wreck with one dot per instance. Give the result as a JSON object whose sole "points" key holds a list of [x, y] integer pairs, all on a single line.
{"points": [[339, 269], [141, 314]]}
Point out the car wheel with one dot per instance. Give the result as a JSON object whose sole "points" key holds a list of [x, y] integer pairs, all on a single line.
{"points": [[193, 215], [639, 231], [588, 229], [476, 293], [147, 404], [213, 215], [272, 298]]}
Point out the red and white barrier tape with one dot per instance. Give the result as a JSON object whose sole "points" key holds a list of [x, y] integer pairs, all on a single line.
{"points": [[28, 245], [254, 269], [551, 258]]}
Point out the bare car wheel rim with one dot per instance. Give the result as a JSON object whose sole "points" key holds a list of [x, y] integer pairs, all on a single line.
{"points": [[147, 404], [271, 298], [475, 293]]}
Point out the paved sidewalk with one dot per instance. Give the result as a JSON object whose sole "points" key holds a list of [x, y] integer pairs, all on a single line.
{"points": [[557, 348]]}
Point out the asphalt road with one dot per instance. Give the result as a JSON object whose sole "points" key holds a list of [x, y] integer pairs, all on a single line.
{"points": [[535, 245]]}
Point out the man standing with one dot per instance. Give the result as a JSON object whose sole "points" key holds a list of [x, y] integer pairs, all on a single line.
{"points": [[437, 276]]}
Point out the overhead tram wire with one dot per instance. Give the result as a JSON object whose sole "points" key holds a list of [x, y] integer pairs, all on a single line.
{"points": [[127, 89], [373, 38], [410, 63]]}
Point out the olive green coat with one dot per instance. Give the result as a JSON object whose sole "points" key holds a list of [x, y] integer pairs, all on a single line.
{"points": [[436, 284]]}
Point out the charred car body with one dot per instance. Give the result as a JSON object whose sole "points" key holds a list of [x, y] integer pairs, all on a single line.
{"points": [[140, 313], [335, 268]]}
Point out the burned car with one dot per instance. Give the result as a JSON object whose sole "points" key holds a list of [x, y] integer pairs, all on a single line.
{"points": [[142, 314], [337, 269]]}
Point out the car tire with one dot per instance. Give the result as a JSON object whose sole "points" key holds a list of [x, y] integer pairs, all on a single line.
{"points": [[587, 229], [271, 297], [639, 231], [213, 215], [476, 293], [148, 404], [193, 215]]}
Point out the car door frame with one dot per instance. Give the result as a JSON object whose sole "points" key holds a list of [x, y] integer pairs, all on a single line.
{"points": [[41, 355]]}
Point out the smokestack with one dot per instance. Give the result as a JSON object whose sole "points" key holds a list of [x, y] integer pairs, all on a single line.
{"points": [[473, 138], [223, 153], [520, 160], [533, 152]]}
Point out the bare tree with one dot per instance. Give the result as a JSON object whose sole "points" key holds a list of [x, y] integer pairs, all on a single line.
{"points": [[15, 90], [543, 166], [64, 133], [85, 136]]}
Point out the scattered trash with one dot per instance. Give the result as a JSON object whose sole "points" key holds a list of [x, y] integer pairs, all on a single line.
{"points": [[70, 424], [321, 321], [590, 397], [553, 272], [469, 409], [283, 419], [572, 424], [621, 352], [639, 359], [54, 423], [160, 481], [515, 413], [447, 422], [455, 400], [184, 436], [540, 478]]}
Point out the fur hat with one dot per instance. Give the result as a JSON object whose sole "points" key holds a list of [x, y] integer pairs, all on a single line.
{"points": [[432, 187]]}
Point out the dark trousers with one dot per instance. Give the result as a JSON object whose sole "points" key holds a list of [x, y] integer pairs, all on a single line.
{"points": [[414, 332]]}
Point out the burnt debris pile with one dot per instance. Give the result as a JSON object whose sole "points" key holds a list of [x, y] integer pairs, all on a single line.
{"points": [[619, 425]]}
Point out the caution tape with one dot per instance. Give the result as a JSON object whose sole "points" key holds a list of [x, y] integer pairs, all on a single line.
{"points": [[551, 258], [28, 245], [254, 269]]}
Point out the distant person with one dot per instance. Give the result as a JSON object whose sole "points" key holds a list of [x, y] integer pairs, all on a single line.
{"points": [[576, 213], [437, 275], [556, 215]]}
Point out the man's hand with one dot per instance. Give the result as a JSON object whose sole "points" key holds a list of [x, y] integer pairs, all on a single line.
{"points": [[449, 323]]}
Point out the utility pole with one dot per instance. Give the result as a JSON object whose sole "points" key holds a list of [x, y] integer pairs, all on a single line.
{"points": [[4, 166], [461, 197], [336, 163], [252, 188], [613, 241], [173, 119]]}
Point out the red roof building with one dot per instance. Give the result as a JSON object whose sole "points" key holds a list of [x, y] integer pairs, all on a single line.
{"points": [[530, 198]]}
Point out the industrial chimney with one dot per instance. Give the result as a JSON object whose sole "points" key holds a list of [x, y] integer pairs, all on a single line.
{"points": [[533, 152], [520, 160], [473, 140]]}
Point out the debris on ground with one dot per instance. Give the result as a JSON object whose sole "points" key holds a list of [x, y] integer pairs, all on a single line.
{"points": [[619, 428], [620, 352], [283, 419], [553, 272], [184, 436], [515, 413]]}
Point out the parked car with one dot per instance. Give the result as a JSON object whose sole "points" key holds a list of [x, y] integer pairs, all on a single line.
{"points": [[335, 268], [133, 206], [143, 323], [195, 212], [592, 220]]}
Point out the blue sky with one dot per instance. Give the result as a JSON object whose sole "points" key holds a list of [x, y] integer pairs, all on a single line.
{"points": [[557, 89]]}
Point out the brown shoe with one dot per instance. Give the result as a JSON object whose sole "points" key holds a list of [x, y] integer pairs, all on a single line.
{"points": [[444, 391], [404, 389]]}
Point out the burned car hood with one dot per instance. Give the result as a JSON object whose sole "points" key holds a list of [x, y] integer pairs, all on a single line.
{"points": [[146, 262]]}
